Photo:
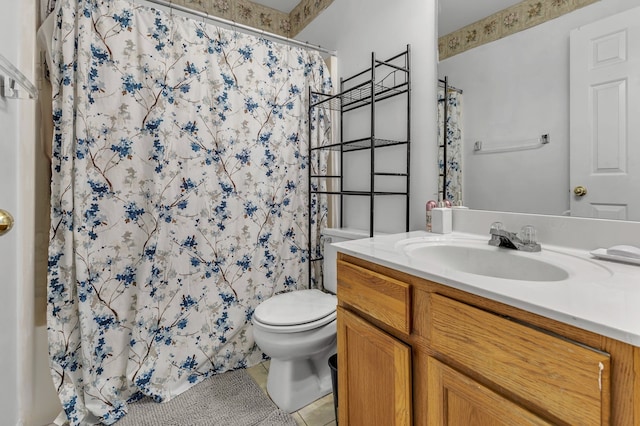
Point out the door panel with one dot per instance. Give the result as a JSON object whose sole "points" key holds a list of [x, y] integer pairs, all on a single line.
{"points": [[456, 400], [604, 129], [565, 379], [374, 375], [9, 264]]}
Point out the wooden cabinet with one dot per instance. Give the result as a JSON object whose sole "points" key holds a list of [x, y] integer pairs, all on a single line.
{"points": [[566, 380], [456, 400], [376, 295], [377, 379], [411, 351], [377, 382]]}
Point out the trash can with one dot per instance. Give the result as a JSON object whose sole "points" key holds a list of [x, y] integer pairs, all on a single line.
{"points": [[333, 365]]}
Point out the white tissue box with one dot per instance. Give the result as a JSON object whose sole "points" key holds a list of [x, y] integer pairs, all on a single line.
{"points": [[441, 220]]}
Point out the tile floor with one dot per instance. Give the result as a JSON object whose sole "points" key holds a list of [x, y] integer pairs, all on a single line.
{"points": [[318, 413]]}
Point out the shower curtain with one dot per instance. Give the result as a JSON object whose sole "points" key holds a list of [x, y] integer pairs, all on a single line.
{"points": [[452, 132], [179, 199]]}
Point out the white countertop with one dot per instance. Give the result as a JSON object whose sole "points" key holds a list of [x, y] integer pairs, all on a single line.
{"points": [[606, 303]]}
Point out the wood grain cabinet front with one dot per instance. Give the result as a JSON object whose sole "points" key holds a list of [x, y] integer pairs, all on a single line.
{"points": [[375, 382], [457, 400], [563, 381], [412, 351], [381, 297]]}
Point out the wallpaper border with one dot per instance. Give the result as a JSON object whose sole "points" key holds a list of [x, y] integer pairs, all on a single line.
{"points": [[261, 17], [506, 22]]}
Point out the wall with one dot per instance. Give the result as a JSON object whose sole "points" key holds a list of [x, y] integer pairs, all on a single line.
{"points": [[503, 23], [518, 90], [573, 232], [356, 28]]}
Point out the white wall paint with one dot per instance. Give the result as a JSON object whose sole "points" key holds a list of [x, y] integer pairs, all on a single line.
{"points": [[519, 89], [573, 232], [355, 28]]}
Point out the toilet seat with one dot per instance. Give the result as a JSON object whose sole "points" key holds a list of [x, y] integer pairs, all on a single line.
{"points": [[296, 311]]}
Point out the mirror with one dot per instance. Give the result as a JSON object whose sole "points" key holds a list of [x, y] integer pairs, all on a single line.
{"points": [[515, 79]]}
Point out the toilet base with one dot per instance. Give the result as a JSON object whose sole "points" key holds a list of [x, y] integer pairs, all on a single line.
{"points": [[292, 384]]}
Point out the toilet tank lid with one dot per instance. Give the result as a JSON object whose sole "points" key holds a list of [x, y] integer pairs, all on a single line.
{"points": [[296, 307], [347, 233]]}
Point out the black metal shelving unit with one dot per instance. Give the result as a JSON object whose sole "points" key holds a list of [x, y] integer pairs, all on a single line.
{"points": [[384, 79], [442, 191]]}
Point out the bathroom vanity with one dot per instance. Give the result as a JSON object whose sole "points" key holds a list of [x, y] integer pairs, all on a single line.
{"points": [[429, 345]]}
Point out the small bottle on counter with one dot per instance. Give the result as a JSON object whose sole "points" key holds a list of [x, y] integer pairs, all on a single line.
{"points": [[431, 204], [459, 204]]}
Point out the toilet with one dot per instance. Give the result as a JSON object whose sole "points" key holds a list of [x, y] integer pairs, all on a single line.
{"points": [[298, 331]]}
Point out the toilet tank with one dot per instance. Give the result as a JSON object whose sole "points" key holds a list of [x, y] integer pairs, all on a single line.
{"points": [[330, 236]]}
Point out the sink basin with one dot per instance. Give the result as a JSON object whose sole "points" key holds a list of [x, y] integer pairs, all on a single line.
{"points": [[478, 258], [496, 263]]}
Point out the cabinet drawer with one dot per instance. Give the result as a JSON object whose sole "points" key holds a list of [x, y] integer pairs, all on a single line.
{"points": [[381, 297], [563, 380]]}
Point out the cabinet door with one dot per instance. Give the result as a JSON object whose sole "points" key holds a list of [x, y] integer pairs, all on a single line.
{"points": [[374, 375], [456, 400], [560, 379]]}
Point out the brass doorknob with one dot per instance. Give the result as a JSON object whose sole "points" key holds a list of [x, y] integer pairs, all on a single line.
{"points": [[580, 191], [6, 222]]}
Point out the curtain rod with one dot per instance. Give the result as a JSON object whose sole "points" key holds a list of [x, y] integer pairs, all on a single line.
{"points": [[450, 87], [233, 24]]}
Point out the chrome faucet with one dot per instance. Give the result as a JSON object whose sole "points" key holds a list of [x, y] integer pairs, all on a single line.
{"points": [[524, 241]]}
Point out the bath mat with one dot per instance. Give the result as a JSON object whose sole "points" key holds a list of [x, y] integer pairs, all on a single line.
{"points": [[227, 399]]}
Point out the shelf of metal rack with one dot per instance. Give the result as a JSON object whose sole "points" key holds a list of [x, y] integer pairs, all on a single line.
{"points": [[384, 79]]}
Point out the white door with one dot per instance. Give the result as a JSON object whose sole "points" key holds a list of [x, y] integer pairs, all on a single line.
{"points": [[605, 118], [17, 133], [8, 264]]}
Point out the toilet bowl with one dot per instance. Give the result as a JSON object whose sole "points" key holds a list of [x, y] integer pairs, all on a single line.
{"points": [[298, 331]]}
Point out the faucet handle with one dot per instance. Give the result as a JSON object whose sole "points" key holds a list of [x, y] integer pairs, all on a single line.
{"points": [[496, 226], [528, 235]]}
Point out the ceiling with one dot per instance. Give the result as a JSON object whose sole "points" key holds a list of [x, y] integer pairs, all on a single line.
{"points": [[452, 14]]}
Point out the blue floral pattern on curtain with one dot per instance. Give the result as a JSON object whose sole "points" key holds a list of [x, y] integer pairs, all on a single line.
{"points": [[179, 199], [453, 134]]}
